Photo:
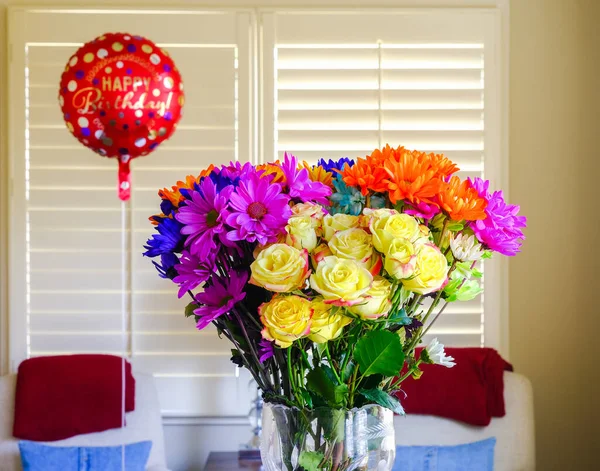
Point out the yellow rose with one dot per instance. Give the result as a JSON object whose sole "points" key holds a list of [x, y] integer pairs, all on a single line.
{"points": [[285, 319], [319, 254], [400, 259], [431, 271], [301, 233], [280, 268], [387, 225], [356, 244], [312, 210], [353, 244], [377, 302], [326, 325], [342, 282], [338, 222]]}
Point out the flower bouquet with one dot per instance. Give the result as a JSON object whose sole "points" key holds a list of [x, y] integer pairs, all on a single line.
{"points": [[325, 278]]}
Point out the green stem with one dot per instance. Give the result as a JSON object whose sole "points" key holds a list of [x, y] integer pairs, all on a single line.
{"points": [[443, 234], [337, 376], [405, 375], [291, 375], [352, 387], [252, 352]]}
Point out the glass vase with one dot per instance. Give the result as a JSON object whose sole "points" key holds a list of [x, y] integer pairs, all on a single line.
{"points": [[327, 439]]}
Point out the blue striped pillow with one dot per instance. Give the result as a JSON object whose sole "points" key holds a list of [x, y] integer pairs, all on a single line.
{"points": [[36, 456], [477, 456]]}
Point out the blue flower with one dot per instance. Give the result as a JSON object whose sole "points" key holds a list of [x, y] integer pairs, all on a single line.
{"points": [[166, 207], [222, 180], [331, 165], [168, 240], [346, 199], [166, 267]]}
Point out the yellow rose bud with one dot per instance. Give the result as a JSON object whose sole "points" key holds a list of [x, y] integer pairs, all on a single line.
{"points": [[285, 319], [431, 271], [338, 222], [301, 233], [280, 268], [388, 224], [319, 254], [312, 210], [326, 324], [342, 282], [377, 302], [400, 259]]}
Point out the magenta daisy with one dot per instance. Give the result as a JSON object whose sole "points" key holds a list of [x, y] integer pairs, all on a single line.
{"points": [[192, 271], [501, 230], [258, 210], [300, 185], [203, 217], [220, 297], [422, 210]]}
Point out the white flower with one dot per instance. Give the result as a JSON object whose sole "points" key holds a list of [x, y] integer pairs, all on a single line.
{"points": [[465, 248], [437, 355]]}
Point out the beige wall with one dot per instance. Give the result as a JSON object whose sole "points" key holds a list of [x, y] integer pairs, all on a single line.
{"points": [[554, 171]]}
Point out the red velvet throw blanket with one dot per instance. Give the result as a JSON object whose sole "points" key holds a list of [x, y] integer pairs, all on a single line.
{"points": [[472, 391], [61, 396]]}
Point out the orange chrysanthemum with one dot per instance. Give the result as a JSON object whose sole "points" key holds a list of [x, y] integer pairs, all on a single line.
{"points": [[461, 201], [272, 168], [411, 176], [369, 173], [442, 165], [318, 174]]}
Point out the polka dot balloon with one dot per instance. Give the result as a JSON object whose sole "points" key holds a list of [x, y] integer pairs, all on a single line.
{"points": [[121, 96]]}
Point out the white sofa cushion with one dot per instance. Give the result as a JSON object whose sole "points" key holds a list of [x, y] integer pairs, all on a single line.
{"points": [[514, 433], [144, 423]]}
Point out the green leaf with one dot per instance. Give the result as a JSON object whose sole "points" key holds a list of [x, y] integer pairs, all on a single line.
{"points": [[456, 226], [319, 382], [348, 369], [190, 308], [371, 382], [310, 460], [379, 351], [383, 399], [334, 425], [307, 398]]}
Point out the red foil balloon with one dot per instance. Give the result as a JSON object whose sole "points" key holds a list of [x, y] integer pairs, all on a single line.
{"points": [[121, 96]]}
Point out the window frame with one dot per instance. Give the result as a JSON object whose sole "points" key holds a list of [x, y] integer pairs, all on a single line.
{"points": [[13, 338]]}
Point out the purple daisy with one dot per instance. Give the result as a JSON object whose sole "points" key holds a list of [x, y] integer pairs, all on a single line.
{"points": [[265, 350], [501, 230], [220, 297], [236, 170], [203, 217], [192, 271], [259, 211], [300, 185]]}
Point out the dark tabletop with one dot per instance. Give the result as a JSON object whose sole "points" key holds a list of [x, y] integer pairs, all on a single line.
{"points": [[228, 461]]}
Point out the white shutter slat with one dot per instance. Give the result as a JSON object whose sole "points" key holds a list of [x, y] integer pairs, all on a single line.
{"points": [[432, 99], [80, 279]]}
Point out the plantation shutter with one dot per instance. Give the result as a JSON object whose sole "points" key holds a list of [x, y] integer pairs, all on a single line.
{"points": [[342, 84], [70, 261]]}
